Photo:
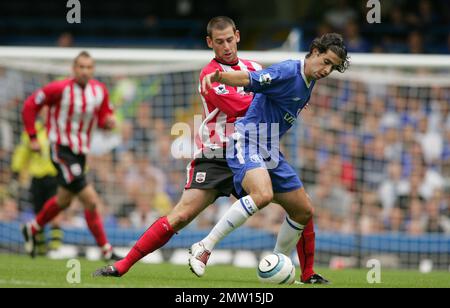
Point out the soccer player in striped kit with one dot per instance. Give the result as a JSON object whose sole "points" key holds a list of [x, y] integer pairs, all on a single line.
{"points": [[208, 175], [76, 106]]}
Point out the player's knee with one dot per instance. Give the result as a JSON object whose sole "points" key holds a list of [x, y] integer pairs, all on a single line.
{"points": [[262, 197], [63, 202], [90, 203], [309, 212], [182, 220], [179, 219], [304, 214]]}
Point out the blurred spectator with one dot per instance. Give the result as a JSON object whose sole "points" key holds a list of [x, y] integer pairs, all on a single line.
{"points": [[339, 13], [392, 144], [355, 42], [392, 188], [370, 220], [142, 129], [415, 43], [433, 182], [65, 40], [396, 20], [329, 197], [308, 170], [395, 221], [9, 210], [411, 190], [431, 142], [374, 162], [445, 157], [439, 110], [426, 16], [416, 220], [322, 29], [144, 214], [436, 223]]}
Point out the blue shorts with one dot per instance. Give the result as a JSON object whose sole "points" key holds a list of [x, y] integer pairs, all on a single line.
{"points": [[283, 176]]}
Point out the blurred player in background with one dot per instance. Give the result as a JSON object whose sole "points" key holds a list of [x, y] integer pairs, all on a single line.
{"points": [[259, 168], [209, 176], [76, 105], [40, 168]]}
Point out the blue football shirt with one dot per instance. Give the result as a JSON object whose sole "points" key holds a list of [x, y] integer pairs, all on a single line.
{"points": [[281, 92]]}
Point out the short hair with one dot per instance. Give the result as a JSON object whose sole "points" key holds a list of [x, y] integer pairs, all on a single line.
{"points": [[82, 54], [335, 43], [219, 23]]}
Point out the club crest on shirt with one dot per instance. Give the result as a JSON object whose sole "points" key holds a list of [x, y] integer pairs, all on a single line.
{"points": [[200, 177], [265, 79], [76, 169], [221, 89]]}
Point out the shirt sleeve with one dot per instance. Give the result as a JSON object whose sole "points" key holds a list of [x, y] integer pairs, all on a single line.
{"points": [[227, 99], [47, 95], [105, 109], [267, 80]]}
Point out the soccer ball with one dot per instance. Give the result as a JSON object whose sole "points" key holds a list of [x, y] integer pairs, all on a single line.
{"points": [[276, 268]]}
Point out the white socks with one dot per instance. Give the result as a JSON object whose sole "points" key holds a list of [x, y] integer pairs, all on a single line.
{"points": [[288, 236], [236, 215]]}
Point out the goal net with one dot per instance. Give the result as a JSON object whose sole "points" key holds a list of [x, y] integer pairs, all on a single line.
{"points": [[372, 149]]}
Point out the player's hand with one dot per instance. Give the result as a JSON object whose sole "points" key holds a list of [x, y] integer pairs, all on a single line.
{"points": [[34, 145], [209, 79], [110, 122]]}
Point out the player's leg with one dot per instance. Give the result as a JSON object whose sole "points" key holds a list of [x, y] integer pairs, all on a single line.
{"points": [[51, 209], [192, 202], [56, 235], [90, 200], [291, 195], [259, 187], [305, 252], [295, 232], [299, 212]]}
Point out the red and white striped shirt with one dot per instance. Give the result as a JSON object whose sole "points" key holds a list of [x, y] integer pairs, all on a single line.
{"points": [[223, 105], [72, 112]]}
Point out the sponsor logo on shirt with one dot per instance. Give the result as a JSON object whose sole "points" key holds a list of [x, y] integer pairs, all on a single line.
{"points": [[265, 79], [221, 89], [39, 98], [289, 118]]}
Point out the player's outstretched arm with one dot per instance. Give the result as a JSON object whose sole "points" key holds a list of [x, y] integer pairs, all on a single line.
{"points": [[234, 79]]}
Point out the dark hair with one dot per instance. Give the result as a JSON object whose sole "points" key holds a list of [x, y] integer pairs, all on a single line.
{"points": [[83, 54], [335, 43], [219, 23]]}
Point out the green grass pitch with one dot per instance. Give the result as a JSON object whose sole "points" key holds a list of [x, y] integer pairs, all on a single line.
{"points": [[24, 272]]}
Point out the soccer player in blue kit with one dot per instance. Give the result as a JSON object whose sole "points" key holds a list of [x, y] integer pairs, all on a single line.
{"points": [[260, 171]]}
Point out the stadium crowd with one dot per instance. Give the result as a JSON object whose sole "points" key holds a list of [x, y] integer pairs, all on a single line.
{"points": [[371, 163], [414, 26]]}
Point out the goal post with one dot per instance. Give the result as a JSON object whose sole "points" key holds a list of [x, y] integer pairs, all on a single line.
{"points": [[372, 149]]}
